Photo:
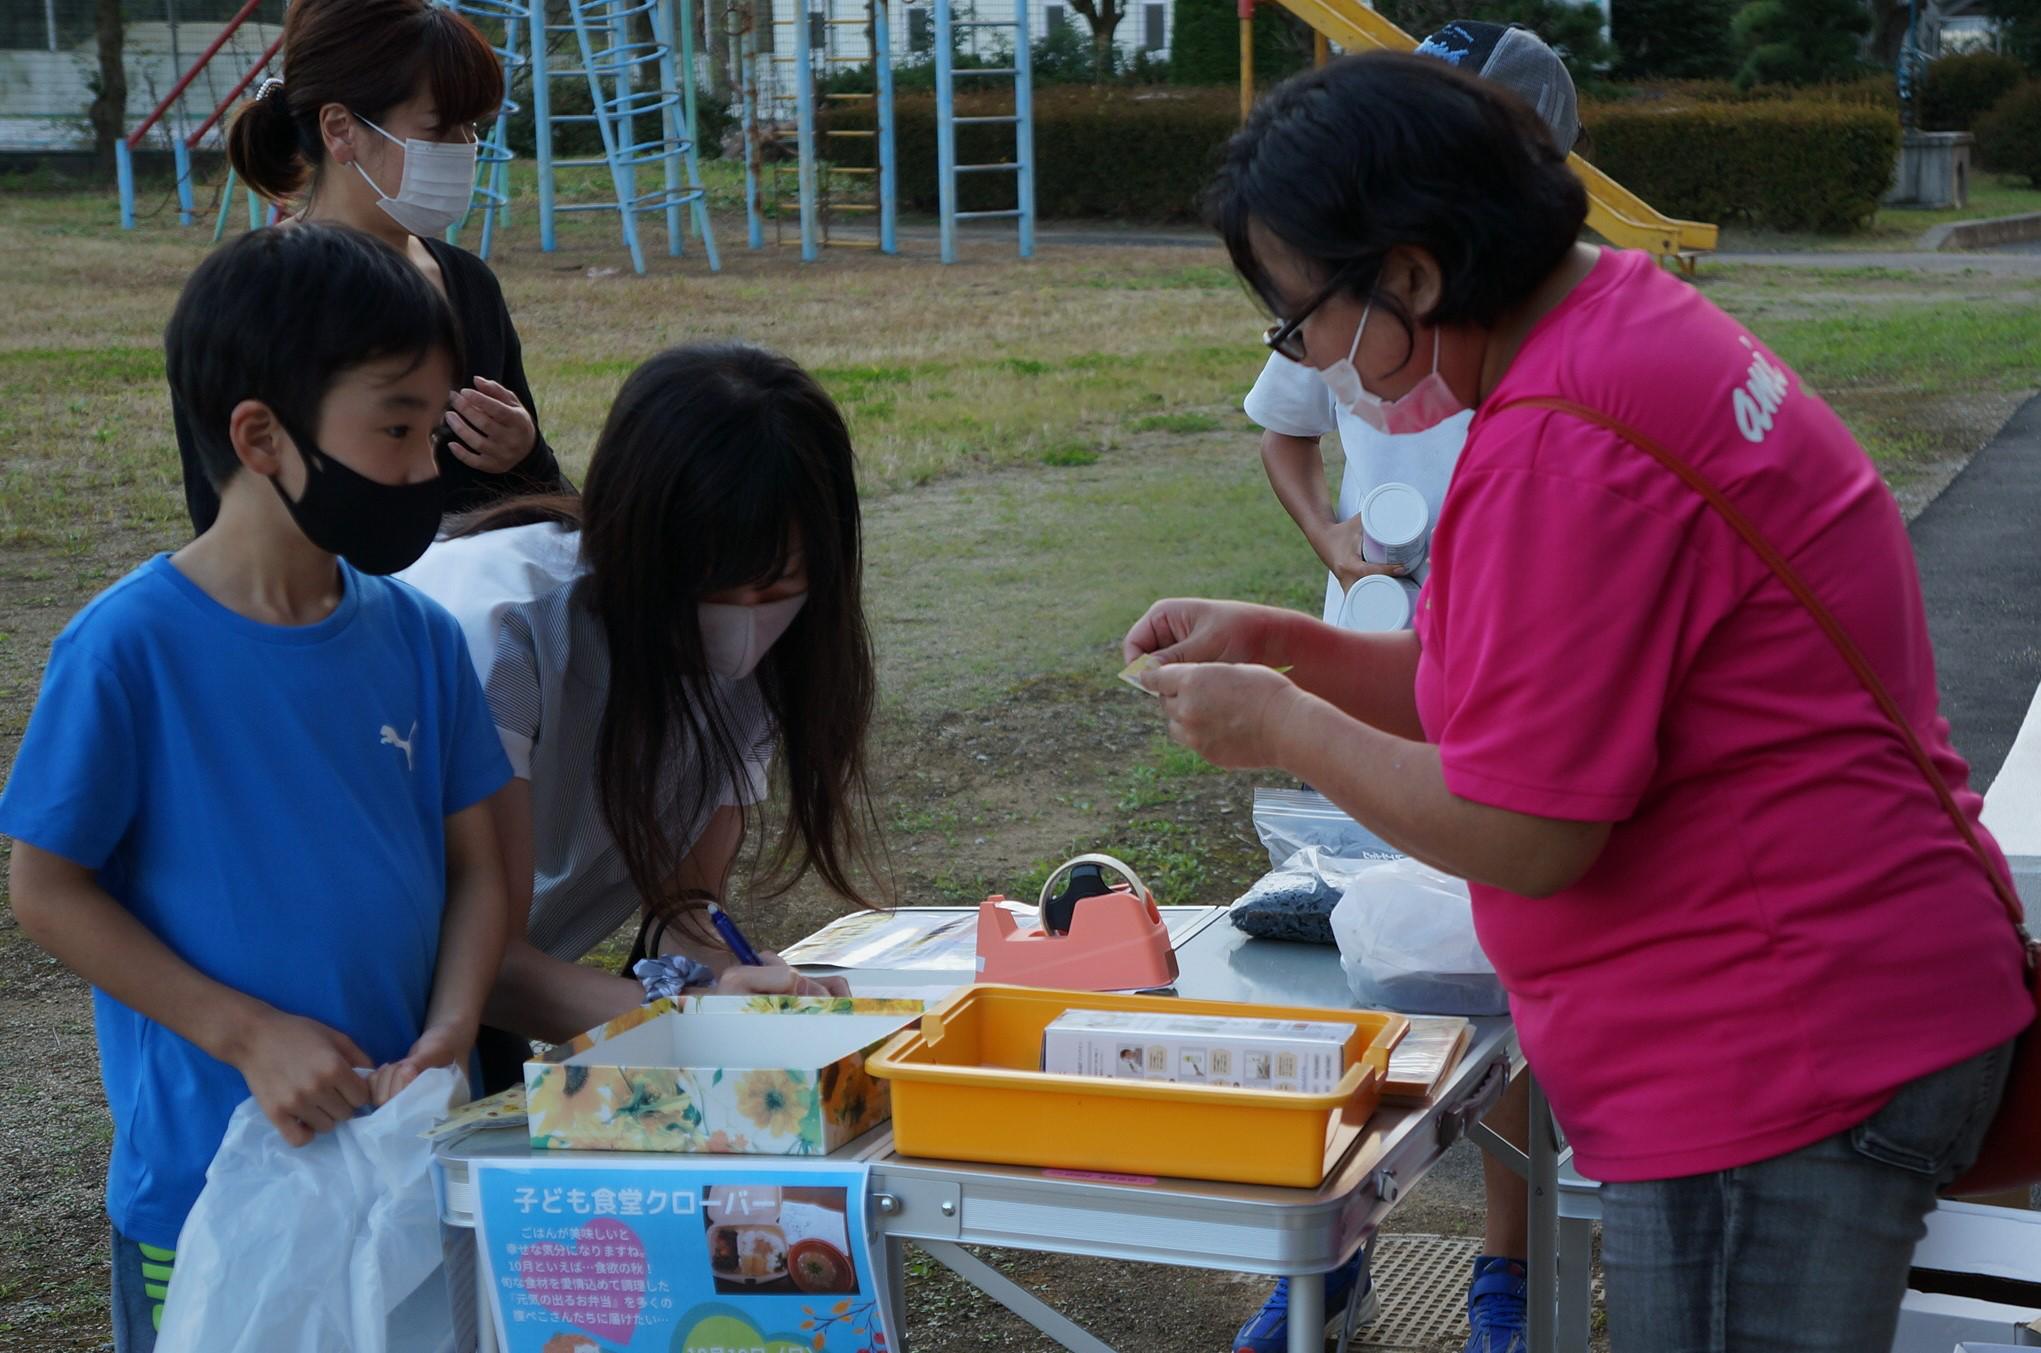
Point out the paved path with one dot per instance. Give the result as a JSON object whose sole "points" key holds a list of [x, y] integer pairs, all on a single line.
{"points": [[1979, 545]]}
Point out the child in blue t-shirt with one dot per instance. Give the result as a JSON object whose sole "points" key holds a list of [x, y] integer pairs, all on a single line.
{"points": [[249, 805]]}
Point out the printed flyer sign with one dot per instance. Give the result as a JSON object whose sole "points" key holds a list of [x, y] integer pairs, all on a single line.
{"points": [[680, 1258]]}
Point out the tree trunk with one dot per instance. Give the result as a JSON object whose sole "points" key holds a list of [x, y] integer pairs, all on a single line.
{"points": [[1102, 27], [110, 107]]}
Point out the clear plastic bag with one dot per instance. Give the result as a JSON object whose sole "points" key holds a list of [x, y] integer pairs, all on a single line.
{"points": [[314, 1248], [1316, 850], [1406, 942], [1291, 820]]}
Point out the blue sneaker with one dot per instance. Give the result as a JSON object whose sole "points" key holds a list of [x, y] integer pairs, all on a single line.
{"points": [[1495, 1307], [1268, 1330]]}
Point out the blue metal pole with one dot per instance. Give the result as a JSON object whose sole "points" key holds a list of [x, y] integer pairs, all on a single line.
{"points": [[180, 155], [882, 71], [688, 77], [513, 37], [620, 181], [542, 124], [1024, 128], [747, 110], [226, 203], [124, 177], [625, 79], [690, 154], [804, 104], [674, 126], [945, 134]]}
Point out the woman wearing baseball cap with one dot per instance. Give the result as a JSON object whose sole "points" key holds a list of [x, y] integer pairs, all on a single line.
{"points": [[1295, 409]]}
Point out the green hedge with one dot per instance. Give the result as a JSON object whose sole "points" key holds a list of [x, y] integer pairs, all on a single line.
{"points": [[1872, 91], [1958, 90], [1124, 154], [2009, 136], [1803, 164], [1820, 163]]}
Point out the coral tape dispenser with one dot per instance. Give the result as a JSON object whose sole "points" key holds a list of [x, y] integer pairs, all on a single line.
{"points": [[1093, 936]]}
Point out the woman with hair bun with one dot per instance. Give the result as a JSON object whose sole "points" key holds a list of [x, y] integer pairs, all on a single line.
{"points": [[373, 125]]}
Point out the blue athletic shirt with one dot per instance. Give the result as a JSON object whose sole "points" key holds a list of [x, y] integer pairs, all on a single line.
{"points": [[270, 802]]}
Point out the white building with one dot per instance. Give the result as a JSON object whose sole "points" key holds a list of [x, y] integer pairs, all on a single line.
{"points": [[839, 24], [46, 82]]}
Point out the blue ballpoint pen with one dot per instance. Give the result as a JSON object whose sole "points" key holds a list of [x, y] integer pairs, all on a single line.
{"points": [[733, 937]]}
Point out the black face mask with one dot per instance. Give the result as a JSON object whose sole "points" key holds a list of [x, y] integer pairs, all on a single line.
{"points": [[378, 528]]}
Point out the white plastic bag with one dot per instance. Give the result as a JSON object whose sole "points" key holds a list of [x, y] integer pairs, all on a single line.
{"points": [[1406, 941], [310, 1249]]}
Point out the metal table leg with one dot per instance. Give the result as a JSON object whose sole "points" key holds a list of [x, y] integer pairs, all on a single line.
{"points": [[1542, 1276], [1039, 1313], [1576, 1284], [1307, 1313], [896, 1291]]}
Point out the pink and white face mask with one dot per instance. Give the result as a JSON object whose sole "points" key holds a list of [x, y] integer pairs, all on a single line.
{"points": [[1426, 405]]}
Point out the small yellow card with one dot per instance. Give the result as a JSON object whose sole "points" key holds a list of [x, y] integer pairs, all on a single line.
{"points": [[1131, 673], [498, 1110]]}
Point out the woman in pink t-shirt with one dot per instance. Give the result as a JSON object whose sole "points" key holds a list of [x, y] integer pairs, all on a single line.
{"points": [[1769, 989]]}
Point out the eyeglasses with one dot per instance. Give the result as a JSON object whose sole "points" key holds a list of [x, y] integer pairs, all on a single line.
{"points": [[1286, 337]]}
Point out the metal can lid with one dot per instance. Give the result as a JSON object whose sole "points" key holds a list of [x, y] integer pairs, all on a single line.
{"points": [[1375, 603], [1395, 514]]}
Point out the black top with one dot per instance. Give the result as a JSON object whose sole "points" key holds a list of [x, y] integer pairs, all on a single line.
{"points": [[493, 351]]}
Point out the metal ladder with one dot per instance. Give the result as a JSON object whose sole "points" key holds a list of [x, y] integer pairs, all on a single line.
{"points": [[1022, 120], [624, 62], [492, 174], [826, 187], [860, 189]]}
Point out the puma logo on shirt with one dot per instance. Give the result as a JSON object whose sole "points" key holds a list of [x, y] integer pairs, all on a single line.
{"points": [[403, 744]]}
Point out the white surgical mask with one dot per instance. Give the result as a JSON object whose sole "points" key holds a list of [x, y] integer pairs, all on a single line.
{"points": [[1427, 404], [439, 177], [735, 638]]}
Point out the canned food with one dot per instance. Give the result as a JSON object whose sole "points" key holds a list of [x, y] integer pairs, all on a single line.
{"points": [[1377, 603], [1395, 525]]}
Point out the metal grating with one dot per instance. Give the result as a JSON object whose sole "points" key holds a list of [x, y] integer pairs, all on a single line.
{"points": [[1423, 1281]]}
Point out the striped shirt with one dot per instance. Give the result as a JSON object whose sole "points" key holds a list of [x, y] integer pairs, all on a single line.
{"points": [[544, 664]]}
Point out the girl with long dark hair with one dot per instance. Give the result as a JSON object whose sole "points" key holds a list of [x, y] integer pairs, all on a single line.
{"points": [[373, 125], [652, 651]]}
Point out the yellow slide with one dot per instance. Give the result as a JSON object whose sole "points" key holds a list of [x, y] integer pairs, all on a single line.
{"points": [[1613, 211]]}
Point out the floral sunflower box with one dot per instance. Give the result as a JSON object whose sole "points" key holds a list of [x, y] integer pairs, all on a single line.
{"points": [[735, 1078]]}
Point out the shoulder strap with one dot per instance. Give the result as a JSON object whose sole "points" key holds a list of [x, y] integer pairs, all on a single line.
{"points": [[1830, 626]]}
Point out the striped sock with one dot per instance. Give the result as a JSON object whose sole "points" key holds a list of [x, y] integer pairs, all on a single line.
{"points": [[156, 1266]]}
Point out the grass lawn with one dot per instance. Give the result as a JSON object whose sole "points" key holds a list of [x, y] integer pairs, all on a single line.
{"points": [[1991, 194], [1046, 448]]}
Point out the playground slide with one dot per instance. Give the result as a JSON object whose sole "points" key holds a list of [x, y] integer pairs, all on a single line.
{"points": [[1613, 211]]}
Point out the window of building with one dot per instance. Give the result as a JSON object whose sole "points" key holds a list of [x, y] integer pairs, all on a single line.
{"points": [[1153, 25]]}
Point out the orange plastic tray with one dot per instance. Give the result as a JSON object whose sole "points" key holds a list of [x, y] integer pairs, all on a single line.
{"points": [[967, 1085]]}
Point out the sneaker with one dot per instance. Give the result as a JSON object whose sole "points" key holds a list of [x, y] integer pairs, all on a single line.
{"points": [[1495, 1307], [1268, 1330]]}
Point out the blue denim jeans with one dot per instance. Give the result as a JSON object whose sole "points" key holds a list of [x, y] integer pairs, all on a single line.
{"points": [[1804, 1253], [141, 1281]]}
